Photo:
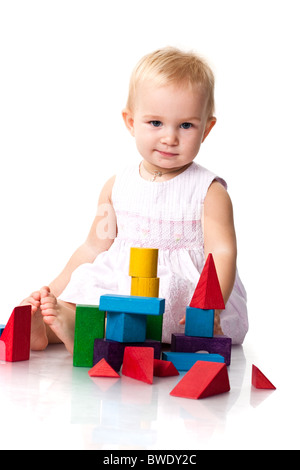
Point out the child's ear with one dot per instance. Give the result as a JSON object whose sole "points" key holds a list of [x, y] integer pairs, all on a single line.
{"points": [[129, 120], [209, 125]]}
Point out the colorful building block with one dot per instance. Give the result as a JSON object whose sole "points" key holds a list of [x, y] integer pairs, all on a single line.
{"points": [[259, 380], [113, 351], [103, 369], [149, 287], [1, 329], [138, 363], [154, 327], [184, 360], [143, 262], [199, 322], [126, 327], [132, 304], [204, 379], [164, 368], [15, 338], [145, 286], [208, 294], [216, 345], [89, 325]]}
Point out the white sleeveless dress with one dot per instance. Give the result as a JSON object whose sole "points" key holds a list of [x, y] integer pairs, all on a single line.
{"points": [[165, 215]]}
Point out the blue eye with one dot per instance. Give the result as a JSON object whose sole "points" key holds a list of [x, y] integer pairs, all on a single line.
{"points": [[155, 123], [186, 125]]}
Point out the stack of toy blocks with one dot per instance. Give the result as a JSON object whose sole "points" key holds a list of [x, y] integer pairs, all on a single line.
{"points": [[129, 317], [199, 326], [144, 282]]}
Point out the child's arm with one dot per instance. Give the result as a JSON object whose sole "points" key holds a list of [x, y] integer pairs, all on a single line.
{"points": [[100, 238], [219, 236], [220, 240]]}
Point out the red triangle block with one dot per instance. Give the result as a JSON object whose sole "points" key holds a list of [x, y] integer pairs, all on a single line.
{"points": [[164, 368], [102, 369], [15, 339], [203, 380], [138, 363], [208, 293], [259, 380]]}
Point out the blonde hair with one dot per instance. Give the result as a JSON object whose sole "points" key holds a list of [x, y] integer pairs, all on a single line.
{"points": [[173, 66]]}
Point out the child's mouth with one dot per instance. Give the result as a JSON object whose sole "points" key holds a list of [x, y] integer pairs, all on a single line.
{"points": [[167, 154]]}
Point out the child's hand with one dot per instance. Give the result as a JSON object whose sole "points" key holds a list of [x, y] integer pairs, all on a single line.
{"points": [[182, 321], [217, 324]]}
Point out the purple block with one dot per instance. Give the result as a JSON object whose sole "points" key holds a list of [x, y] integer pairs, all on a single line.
{"points": [[113, 351], [216, 345]]}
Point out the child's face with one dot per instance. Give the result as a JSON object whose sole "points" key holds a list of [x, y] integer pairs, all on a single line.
{"points": [[169, 124]]}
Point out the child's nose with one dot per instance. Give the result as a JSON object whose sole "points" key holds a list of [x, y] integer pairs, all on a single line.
{"points": [[170, 137]]}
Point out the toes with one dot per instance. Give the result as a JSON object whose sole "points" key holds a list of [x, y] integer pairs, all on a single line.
{"points": [[36, 296], [44, 291], [47, 306]]}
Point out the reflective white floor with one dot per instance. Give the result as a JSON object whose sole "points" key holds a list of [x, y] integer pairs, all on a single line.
{"points": [[46, 403]]}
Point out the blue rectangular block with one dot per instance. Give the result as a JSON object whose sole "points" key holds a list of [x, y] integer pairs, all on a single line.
{"points": [[132, 304], [199, 322], [1, 329], [125, 327], [184, 361]]}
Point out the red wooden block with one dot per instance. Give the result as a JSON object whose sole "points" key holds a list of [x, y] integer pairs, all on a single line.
{"points": [[164, 368], [259, 380], [15, 339], [204, 379], [138, 363], [102, 369], [208, 293]]}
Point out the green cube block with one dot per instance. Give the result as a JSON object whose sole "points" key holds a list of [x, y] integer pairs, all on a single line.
{"points": [[89, 325], [154, 327]]}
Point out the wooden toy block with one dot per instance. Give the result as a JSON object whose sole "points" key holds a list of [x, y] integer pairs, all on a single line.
{"points": [[89, 324], [138, 363], [154, 327], [15, 338], [216, 345], [125, 327], [143, 262], [208, 293], [149, 287], [145, 286], [113, 351], [164, 368], [132, 304], [1, 329], [184, 360], [204, 379], [199, 322], [102, 369], [259, 380]]}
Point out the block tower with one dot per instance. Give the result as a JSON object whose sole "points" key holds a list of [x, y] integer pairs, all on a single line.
{"points": [[144, 282], [136, 319], [199, 326]]}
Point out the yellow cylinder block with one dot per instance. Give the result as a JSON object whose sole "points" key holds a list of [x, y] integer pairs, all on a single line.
{"points": [[143, 262], [145, 286]]}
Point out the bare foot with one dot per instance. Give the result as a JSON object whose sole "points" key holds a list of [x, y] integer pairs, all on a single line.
{"points": [[38, 337], [59, 316]]}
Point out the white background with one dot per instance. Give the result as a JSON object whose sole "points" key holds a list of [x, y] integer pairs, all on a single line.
{"points": [[65, 68]]}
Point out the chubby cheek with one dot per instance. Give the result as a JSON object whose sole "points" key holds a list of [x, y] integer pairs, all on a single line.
{"points": [[190, 148], [145, 143]]}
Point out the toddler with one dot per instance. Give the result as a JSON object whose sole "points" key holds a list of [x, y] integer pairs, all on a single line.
{"points": [[164, 201]]}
